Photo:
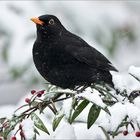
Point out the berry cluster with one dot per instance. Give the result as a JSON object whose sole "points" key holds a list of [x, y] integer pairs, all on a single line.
{"points": [[29, 101], [34, 92], [137, 134]]}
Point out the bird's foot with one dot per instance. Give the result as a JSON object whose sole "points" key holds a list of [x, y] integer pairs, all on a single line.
{"points": [[80, 89]]}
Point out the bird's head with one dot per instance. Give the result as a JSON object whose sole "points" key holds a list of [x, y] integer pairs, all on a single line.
{"points": [[48, 25]]}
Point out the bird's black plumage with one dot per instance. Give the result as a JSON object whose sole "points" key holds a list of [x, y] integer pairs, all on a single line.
{"points": [[65, 59]]}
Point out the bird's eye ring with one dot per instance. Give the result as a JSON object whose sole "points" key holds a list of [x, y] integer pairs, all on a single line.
{"points": [[51, 22]]}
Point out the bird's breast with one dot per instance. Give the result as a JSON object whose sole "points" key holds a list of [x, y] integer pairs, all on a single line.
{"points": [[47, 57]]}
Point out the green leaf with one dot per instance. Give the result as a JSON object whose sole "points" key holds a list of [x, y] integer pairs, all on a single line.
{"points": [[34, 103], [39, 124], [34, 138], [12, 123], [36, 131], [56, 121], [93, 115], [132, 125], [79, 109], [74, 103], [106, 134], [106, 110], [6, 132]]}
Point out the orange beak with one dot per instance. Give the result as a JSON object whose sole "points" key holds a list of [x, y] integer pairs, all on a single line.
{"points": [[37, 21]]}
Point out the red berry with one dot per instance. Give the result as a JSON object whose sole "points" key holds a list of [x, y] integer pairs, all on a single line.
{"points": [[125, 133], [39, 95], [27, 100], [33, 92], [42, 91], [137, 134], [1, 138], [13, 138]]}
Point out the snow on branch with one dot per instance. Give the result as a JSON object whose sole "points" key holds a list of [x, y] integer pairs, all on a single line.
{"points": [[135, 72]]}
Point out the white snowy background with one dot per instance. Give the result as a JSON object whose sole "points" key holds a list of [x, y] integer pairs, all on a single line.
{"points": [[111, 27]]}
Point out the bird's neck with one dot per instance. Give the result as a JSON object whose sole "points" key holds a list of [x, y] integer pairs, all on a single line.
{"points": [[44, 36]]}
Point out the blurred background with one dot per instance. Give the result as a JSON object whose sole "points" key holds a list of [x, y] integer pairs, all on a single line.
{"points": [[113, 27]]}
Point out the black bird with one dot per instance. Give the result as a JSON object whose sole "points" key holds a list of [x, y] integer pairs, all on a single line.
{"points": [[65, 59]]}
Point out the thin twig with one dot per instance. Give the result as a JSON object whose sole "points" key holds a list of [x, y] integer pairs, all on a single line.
{"points": [[53, 105], [109, 101], [99, 88]]}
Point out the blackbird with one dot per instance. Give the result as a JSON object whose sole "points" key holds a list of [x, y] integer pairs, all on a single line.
{"points": [[66, 60]]}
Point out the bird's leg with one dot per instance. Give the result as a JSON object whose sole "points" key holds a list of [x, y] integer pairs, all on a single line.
{"points": [[81, 88], [77, 87]]}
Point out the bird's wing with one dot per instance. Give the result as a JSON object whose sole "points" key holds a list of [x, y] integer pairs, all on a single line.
{"points": [[90, 56]]}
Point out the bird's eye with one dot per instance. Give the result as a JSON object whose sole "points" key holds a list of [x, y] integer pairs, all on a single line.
{"points": [[51, 21]]}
